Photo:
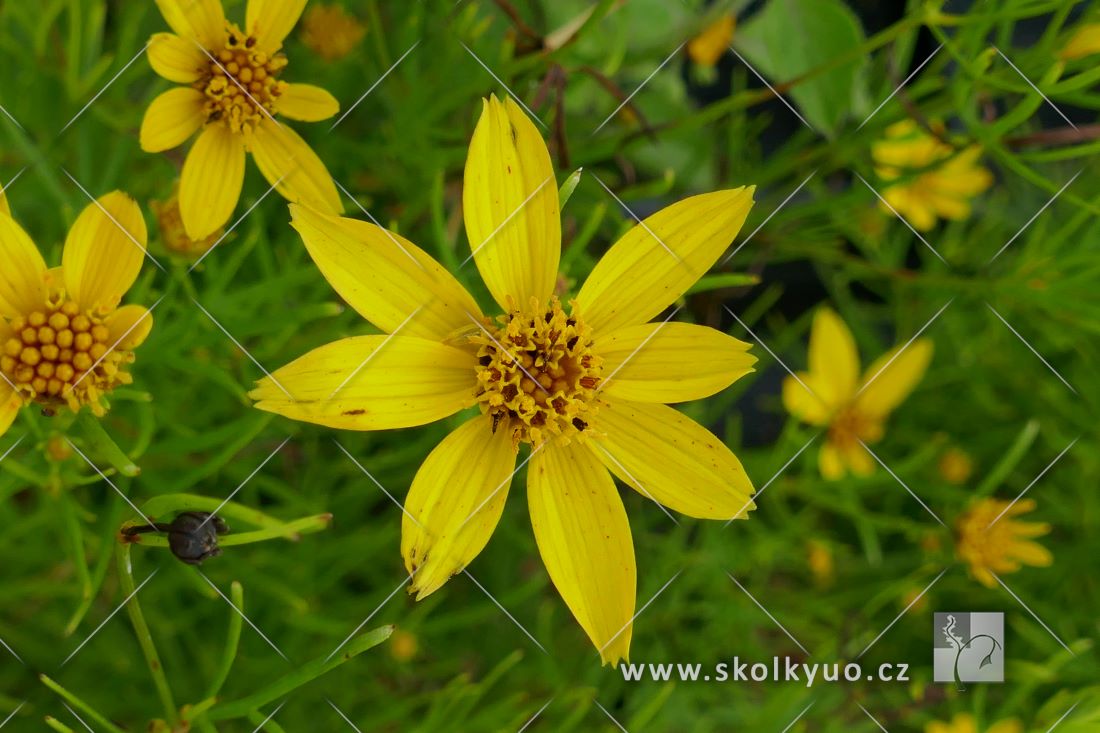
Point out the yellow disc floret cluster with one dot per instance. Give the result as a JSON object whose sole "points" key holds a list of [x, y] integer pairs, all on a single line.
{"points": [[537, 375], [242, 85], [61, 355]]}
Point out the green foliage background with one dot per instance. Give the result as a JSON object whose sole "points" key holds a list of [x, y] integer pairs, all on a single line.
{"points": [[189, 426]]}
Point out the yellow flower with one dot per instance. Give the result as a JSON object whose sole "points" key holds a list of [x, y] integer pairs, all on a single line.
{"points": [[331, 32], [172, 233], [1002, 547], [965, 723], [955, 466], [233, 93], [706, 48], [832, 394], [403, 646], [932, 181], [65, 340], [1085, 41], [584, 388], [819, 557]]}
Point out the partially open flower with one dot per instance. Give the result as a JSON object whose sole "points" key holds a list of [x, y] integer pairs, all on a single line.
{"points": [[991, 538], [331, 32]]}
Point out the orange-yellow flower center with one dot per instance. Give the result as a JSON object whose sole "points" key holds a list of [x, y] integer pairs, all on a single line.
{"points": [[242, 83], [537, 375], [849, 426], [62, 355]]}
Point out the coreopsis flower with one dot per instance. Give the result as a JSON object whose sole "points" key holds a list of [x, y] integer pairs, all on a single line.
{"points": [[926, 180], [331, 32], [713, 42], [991, 538], [233, 92], [64, 339], [955, 466], [581, 385], [172, 233], [965, 723], [854, 408], [1085, 41]]}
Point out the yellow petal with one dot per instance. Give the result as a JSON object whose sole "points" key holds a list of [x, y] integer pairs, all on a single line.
{"points": [[830, 463], [307, 103], [5, 208], [833, 357], [670, 362], [808, 398], [713, 42], [10, 402], [270, 21], [371, 383], [655, 262], [385, 277], [177, 59], [171, 119], [898, 372], [1031, 553], [510, 206], [287, 160], [22, 277], [104, 251], [584, 538], [455, 502], [196, 21], [211, 181], [130, 326], [668, 457], [858, 459], [1085, 41]]}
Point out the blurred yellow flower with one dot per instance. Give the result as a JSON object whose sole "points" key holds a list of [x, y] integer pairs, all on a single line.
{"points": [[232, 94], [65, 340], [927, 180], [965, 723], [172, 232], [1002, 547], [331, 32], [584, 388], [706, 48], [832, 394], [403, 645], [955, 466], [819, 557], [1085, 41]]}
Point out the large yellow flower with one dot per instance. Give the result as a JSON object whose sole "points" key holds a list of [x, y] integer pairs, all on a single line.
{"points": [[832, 394], [991, 538], [927, 180], [65, 340], [582, 388], [965, 723], [233, 93]]}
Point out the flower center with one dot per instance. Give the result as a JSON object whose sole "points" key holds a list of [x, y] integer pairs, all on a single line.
{"points": [[537, 375], [243, 85], [62, 355], [849, 426]]}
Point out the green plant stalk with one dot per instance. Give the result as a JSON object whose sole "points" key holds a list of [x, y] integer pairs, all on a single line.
{"points": [[57, 725], [79, 704], [232, 639], [145, 638], [99, 573]]}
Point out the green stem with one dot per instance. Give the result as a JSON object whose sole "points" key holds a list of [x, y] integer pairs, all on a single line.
{"points": [[80, 705], [233, 637]]}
